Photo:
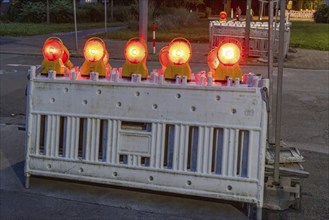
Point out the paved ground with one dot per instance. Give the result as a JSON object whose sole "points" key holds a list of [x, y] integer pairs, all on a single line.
{"points": [[305, 125]]}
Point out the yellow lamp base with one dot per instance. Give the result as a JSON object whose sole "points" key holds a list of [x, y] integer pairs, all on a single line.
{"points": [[173, 70], [223, 71], [97, 67], [137, 68], [56, 65]]}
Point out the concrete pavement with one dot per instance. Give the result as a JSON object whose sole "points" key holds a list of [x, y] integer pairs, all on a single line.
{"points": [[304, 122]]}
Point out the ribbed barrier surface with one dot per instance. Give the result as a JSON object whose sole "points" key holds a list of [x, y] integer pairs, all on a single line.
{"points": [[205, 140]]}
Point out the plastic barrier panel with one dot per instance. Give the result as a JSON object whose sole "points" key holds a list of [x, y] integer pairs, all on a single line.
{"points": [[203, 139], [258, 42]]}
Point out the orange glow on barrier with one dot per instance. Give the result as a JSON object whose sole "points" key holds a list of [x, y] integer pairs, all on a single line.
{"points": [[229, 53], [52, 50], [106, 57], [179, 51], [135, 51], [163, 56], [213, 59], [94, 50]]}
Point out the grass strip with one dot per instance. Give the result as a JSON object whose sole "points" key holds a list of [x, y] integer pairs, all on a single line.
{"points": [[30, 29]]}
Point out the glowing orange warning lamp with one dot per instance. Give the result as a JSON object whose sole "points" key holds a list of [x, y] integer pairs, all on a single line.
{"points": [[96, 58], [229, 55], [164, 57], [222, 16], [136, 55], [179, 54], [56, 56]]}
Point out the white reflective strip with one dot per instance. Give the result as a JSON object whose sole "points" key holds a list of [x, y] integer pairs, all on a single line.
{"points": [[72, 129], [231, 153], [176, 146], [95, 140], [136, 160], [240, 145], [236, 152], [55, 136], [157, 147], [52, 135], [112, 142], [209, 144], [36, 140], [250, 152], [254, 155], [162, 135], [129, 160], [182, 148], [47, 134], [108, 144], [204, 150], [225, 154], [200, 149], [92, 139]]}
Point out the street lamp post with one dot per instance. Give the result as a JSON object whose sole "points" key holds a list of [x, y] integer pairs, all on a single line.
{"points": [[75, 27], [143, 15], [105, 15]]}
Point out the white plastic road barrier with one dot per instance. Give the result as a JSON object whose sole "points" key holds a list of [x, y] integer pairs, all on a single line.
{"points": [[182, 137], [258, 42]]}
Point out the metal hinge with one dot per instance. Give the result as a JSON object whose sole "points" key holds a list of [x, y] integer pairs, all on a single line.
{"points": [[265, 98]]}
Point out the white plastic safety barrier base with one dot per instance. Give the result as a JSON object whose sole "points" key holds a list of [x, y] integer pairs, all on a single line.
{"points": [[206, 140]]}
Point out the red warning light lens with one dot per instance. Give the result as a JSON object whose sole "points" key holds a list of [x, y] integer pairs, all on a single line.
{"points": [[135, 51], [65, 57], [179, 51], [213, 59], [94, 50], [229, 53], [163, 56], [222, 15], [52, 50]]}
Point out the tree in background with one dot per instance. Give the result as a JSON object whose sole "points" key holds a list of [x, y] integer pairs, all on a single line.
{"points": [[307, 4], [227, 6]]}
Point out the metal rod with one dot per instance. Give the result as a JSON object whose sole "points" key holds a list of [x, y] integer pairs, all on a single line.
{"points": [[143, 15], [112, 10], [247, 27], [279, 93], [75, 27], [261, 10], [105, 15], [270, 127], [48, 16], [276, 11]]}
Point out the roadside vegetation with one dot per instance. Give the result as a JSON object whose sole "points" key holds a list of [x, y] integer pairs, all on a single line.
{"points": [[29, 29], [310, 35]]}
